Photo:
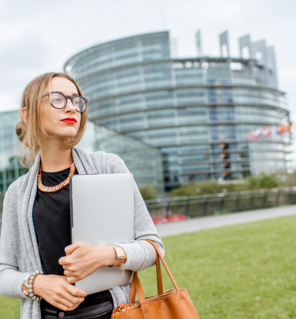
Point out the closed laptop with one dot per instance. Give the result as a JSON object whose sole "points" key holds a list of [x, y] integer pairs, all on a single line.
{"points": [[102, 213]]}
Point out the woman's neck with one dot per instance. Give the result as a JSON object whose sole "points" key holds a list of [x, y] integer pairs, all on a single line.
{"points": [[55, 158]]}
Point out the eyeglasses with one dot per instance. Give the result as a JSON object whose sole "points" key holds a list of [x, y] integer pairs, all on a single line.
{"points": [[58, 100]]}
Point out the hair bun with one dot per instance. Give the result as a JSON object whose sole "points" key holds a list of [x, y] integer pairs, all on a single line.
{"points": [[21, 130]]}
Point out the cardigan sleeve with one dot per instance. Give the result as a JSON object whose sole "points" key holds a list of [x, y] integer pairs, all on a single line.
{"points": [[140, 254], [10, 277]]}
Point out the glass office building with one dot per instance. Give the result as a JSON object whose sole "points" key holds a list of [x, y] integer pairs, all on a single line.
{"points": [[143, 161], [200, 121], [10, 169]]}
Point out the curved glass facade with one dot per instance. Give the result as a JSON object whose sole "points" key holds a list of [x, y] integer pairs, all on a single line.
{"points": [[200, 121]]}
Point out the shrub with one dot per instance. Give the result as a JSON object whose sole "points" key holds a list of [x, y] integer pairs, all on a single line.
{"points": [[260, 181], [148, 192], [207, 187], [290, 179], [263, 181]]}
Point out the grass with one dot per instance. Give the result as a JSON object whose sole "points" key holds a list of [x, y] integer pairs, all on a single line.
{"points": [[243, 271], [9, 308]]}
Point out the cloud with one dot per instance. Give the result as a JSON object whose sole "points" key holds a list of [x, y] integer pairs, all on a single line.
{"points": [[7, 102], [21, 61], [37, 37]]}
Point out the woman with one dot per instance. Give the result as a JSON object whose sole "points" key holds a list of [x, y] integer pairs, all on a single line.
{"points": [[35, 234]]}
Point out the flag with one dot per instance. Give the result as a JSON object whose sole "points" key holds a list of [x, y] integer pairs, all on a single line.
{"points": [[269, 131]]}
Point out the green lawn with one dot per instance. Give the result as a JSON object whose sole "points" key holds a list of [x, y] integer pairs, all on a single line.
{"points": [[243, 271]]}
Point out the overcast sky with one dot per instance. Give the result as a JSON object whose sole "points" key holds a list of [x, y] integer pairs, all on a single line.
{"points": [[39, 36]]}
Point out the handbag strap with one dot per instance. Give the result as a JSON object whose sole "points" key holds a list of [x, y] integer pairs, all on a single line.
{"points": [[139, 288], [163, 262], [158, 276], [159, 282], [133, 291], [136, 286]]}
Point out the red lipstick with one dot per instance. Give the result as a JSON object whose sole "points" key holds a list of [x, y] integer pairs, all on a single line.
{"points": [[69, 120]]}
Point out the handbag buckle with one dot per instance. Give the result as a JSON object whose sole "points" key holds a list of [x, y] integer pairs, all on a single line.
{"points": [[122, 307]]}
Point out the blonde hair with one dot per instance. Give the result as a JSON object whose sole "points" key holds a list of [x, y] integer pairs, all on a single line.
{"points": [[29, 133]]}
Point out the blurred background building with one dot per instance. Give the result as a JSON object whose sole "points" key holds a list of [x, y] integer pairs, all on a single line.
{"points": [[10, 168], [199, 120], [143, 161], [167, 118]]}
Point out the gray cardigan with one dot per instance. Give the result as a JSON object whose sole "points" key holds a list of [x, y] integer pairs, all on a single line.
{"points": [[19, 254]]}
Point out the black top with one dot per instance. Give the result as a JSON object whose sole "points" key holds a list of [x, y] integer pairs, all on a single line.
{"points": [[51, 216]]}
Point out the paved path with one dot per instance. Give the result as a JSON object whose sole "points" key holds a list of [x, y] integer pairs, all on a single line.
{"points": [[195, 224]]}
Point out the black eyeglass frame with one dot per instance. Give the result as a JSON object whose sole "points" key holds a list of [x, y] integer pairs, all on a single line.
{"points": [[66, 100]]}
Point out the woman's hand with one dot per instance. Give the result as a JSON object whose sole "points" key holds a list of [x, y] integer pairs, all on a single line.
{"points": [[58, 292], [83, 259]]}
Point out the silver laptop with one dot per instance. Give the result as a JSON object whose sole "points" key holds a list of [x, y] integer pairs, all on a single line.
{"points": [[102, 213]]}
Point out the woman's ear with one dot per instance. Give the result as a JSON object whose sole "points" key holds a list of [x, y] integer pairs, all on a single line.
{"points": [[24, 114]]}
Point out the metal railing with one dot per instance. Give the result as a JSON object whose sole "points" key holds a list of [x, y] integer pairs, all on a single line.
{"points": [[222, 203], [215, 204]]}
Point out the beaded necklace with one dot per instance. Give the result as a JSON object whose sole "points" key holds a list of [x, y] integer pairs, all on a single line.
{"points": [[53, 189]]}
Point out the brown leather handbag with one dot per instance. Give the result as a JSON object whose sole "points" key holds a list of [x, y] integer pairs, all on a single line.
{"points": [[174, 303]]}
